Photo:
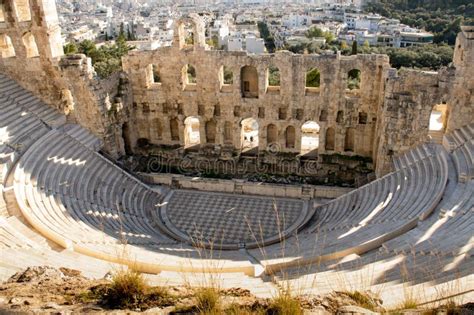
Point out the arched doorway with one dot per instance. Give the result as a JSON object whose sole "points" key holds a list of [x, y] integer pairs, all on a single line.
{"points": [[211, 131], [349, 141], [309, 137], [437, 123], [249, 134], [192, 135], [290, 136], [272, 134], [174, 129]]}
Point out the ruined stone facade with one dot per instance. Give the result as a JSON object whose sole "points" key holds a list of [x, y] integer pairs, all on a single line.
{"points": [[189, 101]]}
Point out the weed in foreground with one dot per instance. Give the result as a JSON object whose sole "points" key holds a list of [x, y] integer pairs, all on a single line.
{"points": [[128, 288], [408, 304], [362, 300], [208, 301], [285, 304]]}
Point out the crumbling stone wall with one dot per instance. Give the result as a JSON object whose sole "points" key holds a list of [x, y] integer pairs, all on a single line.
{"points": [[411, 95], [146, 107], [157, 106], [32, 54], [462, 87], [31, 35]]}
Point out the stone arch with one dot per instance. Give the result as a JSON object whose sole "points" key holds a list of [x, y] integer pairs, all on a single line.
{"points": [[6, 46], [22, 10], [309, 137], [249, 134], [272, 134], [189, 32], [353, 79], [211, 131], [192, 135], [186, 33], [349, 141], [174, 129], [228, 132], [30, 45], [323, 116], [330, 139], [438, 122], [290, 137], [249, 82]]}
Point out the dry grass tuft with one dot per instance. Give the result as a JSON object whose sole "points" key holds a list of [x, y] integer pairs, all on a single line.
{"points": [[208, 301], [408, 304], [285, 304], [362, 300]]}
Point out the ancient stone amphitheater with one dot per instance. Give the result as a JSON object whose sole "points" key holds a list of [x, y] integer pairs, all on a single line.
{"points": [[63, 203]]}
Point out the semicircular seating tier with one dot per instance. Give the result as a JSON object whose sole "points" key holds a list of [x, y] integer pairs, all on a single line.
{"points": [[432, 261], [64, 204]]}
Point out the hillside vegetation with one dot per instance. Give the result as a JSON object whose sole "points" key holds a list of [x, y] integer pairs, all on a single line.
{"points": [[441, 17]]}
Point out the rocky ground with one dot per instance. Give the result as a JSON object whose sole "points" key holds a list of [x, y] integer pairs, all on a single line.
{"points": [[46, 290]]}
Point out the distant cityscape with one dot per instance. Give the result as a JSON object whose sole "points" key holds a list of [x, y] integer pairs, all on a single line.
{"points": [[236, 25]]}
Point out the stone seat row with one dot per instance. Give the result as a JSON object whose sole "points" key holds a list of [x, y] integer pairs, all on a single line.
{"points": [[412, 156], [365, 218], [55, 180], [12, 92], [459, 137], [90, 224], [436, 255]]}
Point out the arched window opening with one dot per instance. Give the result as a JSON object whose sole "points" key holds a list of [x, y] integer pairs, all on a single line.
{"points": [[353, 79], [313, 80], [340, 117], [272, 134], [6, 46], [290, 136], [323, 116], [363, 117], [211, 131], [22, 9], [330, 139], [228, 132], [156, 74], [249, 134], [273, 78], [438, 122], [187, 34], [192, 134], [309, 137], [349, 142], [249, 82], [174, 129], [189, 74], [227, 76]]}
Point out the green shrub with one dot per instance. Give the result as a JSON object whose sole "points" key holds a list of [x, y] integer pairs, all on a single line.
{"points": [[128, 289]]}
